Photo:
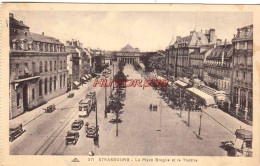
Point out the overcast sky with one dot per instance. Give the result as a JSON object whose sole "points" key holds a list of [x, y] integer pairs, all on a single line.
{"points": [[149, 31]]}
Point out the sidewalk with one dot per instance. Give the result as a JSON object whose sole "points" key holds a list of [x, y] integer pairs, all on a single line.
{"points": [[29, 116]]}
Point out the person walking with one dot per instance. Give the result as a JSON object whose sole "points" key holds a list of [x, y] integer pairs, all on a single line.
{"points": [[151, 107]]}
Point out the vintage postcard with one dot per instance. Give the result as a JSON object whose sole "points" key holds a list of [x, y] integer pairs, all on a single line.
{"points": [[129, 84]]}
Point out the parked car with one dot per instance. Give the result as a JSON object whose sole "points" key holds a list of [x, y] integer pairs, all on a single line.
{"points": [[109, 72], [98, 76], [50, 108], [104, 73], [15, 131], [72, 137], [92, 131], [77, 124], [71, 95]]}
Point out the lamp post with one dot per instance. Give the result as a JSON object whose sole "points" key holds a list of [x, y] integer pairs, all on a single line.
{"points": [[105, 98], [200, 119]]}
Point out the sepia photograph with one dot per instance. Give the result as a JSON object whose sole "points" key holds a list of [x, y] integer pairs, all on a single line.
{"points": [[128, 83]]}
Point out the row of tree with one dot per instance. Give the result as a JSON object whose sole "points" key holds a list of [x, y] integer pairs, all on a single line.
{"points": [[116, 99], [153, 60]]}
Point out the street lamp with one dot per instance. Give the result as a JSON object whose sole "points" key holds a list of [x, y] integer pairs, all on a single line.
{"points": [[200, 119], [105, 98]]}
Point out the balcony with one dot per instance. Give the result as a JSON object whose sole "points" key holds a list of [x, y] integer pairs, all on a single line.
{"points": [[27, 77]]}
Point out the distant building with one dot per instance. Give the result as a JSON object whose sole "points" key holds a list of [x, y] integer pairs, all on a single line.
{"points": [[128, 54], [242, 75], [38, 68]]}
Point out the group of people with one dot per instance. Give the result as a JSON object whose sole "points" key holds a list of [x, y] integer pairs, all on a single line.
{"points": [[153, 107]]}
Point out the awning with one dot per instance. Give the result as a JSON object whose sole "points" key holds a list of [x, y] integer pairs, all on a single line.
{"points": [[142, 65], [208, 99], [76, 83], [87, 76], [182, 84], [84, 78], [25, 79], [174, 86]]}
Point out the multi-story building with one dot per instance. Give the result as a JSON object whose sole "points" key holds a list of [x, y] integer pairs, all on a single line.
{"points": [[179, 52], [38, 70], [197, 60], [242, 75], [218, 67]]}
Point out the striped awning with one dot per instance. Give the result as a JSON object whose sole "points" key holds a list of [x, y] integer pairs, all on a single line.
{"points": [[76, 83], [208, 99], [180, 83]]}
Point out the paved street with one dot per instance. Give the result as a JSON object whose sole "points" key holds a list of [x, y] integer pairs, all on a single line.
{"points": [[141, 132]]}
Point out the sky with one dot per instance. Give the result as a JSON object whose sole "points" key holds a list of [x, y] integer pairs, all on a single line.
{"points": [[148, 31]]}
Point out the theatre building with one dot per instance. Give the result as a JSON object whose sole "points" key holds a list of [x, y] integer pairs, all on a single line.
{"points": [[38, 68]]}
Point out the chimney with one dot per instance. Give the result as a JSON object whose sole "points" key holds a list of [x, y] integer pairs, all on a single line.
{"points": [[219, 41], [211, 35], [191, 33], [11, 15], [178, 37], [43, 33], [223, 54], [21, 21]]}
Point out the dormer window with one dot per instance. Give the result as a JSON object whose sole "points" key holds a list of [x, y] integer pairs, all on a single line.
{"points": [[25, 33]]}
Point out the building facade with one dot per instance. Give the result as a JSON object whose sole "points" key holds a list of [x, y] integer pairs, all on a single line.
{"points": [[38, 68], [218, 68], [242, 75], [128, 55], [197, 60], [179, 53]]}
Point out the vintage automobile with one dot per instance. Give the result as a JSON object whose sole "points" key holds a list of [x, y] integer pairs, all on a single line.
{"points": [[92, 131], [50, 108], [15, 131], [72, 137], [77, 124], [242, 146], [71, 95]]}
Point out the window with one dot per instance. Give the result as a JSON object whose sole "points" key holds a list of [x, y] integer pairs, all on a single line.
{"points": [[50, 65], [50, 84], [237, 73], [33, 93], [17, 69], [33, 67], [26, 69], [64, 77], [45, 86], [18, 97], [244, 76], [40, 88], [40, 67], [60, 64], [55, 65], [60, 81], [46, 66], [64, 63], [55, 82]]}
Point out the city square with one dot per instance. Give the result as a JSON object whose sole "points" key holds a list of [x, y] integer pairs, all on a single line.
{"points": [[192, 97]]}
